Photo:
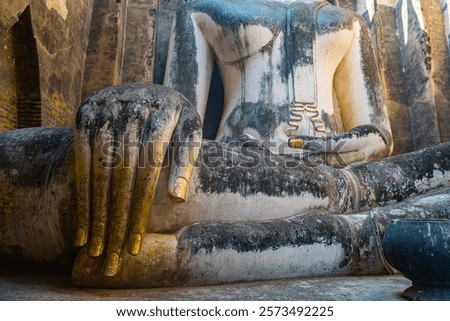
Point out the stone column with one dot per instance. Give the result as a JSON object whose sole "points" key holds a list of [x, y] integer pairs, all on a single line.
{"points": [[140, 33], [106, 44], [392, 75], [411, 40], [166, 13], [437, 47], [121, 44], [416, 53]]}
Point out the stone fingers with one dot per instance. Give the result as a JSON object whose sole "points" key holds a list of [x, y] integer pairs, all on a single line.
{"points": [[153, 150], [145, 187], [318, 144], [121, 140], [366, 138], [85, 128], [128, 134], [340, 143], [103, 151], [187, 144]]}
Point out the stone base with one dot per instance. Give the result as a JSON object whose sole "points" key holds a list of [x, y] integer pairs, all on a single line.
{"points": [[421, 292], [34, 287]]}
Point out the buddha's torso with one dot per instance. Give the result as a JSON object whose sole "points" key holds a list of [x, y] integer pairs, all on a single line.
{"points": [[273, 55]]}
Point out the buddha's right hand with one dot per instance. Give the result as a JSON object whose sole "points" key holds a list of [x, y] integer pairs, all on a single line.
{"points": [[121, 137]]}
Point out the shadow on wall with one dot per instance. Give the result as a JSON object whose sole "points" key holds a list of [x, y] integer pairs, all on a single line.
{"points": [[28, 92]]}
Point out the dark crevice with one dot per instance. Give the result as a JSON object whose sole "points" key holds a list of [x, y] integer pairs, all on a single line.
{"points": [[214, 108], [26, 73]]}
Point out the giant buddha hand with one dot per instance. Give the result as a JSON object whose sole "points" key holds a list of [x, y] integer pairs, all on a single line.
{"points": [[121, 137]]}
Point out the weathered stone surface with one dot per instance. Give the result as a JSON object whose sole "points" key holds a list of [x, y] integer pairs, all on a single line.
{"points": [[208, 244], [106, 44], [440, 64], [140, 41], [30, 287], [401, 90], [10, 12], [122, 44], [35, 185], [417, 66], [61, 36], [104, 69], [166, 13], [410, 41], [8, 111], [309, 245], [391, 69], [59, 33], [414, 69]]}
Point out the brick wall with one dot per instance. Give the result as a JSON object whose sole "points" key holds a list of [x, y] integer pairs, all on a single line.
{"points": [[60, 32], [8, 112]]}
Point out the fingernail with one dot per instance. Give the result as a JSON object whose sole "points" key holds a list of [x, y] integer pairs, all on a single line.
{"points": [[111, 264], [134, 246], [80, 237], [179, 191], [96, 246], [296, 143]]}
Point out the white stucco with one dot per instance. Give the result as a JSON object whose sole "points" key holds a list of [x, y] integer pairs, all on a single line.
{"points": [[439, 179], [287, 262]]}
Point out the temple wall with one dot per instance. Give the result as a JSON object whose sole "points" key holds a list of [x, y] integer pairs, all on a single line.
{"points": [[8, 17], [8, 112], [61, 29], [81, 47], [41, 82], [412, 42]]}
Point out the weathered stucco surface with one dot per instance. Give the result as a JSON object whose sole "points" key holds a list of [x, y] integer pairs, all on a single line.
{"points": [[59, 30], [82, 46], [121, 44], [411, 41], [8, 17], [8, 112]]}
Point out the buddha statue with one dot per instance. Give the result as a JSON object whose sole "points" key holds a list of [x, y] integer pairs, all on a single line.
{"points": [[300, 147]]}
